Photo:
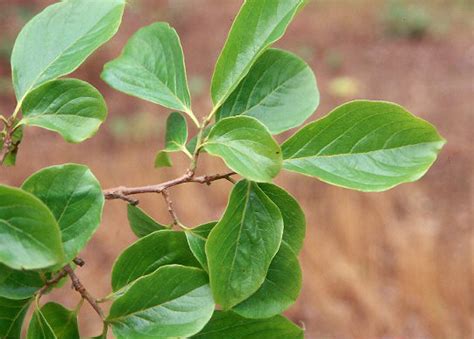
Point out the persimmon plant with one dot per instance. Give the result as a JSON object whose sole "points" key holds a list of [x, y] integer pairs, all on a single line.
{"points": [[230, 278]]}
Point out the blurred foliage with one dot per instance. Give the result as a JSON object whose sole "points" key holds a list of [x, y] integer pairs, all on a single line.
{"points": [[137, 127], [344, 87], [406, 20], [333, 59]]}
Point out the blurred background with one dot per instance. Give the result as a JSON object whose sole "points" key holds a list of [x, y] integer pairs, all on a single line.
{"points": [[397, 264]]}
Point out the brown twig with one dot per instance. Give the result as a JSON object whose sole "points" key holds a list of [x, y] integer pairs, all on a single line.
{"points": [[77, 285], [123, 192], [53, 281], [169, 203]]}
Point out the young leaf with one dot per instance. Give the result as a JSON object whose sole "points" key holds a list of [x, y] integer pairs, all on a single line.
{"points": [[12, 314], [141, 223], [293, 216], [280, 91], [56, 321], [258, 24], [148, 254], [151, 67], [75, 197], [280, 289], [174, 301], [197, 238], [364, 145], [18, 285], [231, 325], [175, 139], [10, 159], [70, 107], [242, 245], [246, 147], [30, 237], [56, 41]]}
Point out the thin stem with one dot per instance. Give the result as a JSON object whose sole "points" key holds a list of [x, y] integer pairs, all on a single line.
{"points": [[4, 120], [123, 192], [171, 210], [53, 281], [17, 110], [77, 285]]}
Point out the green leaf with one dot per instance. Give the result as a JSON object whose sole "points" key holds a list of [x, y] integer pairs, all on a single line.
{"points": [[364, 145], [61, 321], [280, 289], [18, 284], [39, 327], [12, 314], [151, 67], [246, 147], [148, 254], [197, 238], [56, 41], [174, 301], [293, 216], [231, 325], [258, 24], [70, 107], [30, 237], [75, 197], [17, 137], [280, 91], [175, 139], [242, 245], [141, 223]]}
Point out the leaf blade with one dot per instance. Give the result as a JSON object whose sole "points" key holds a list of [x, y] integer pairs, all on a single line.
{"points": [[70, 31], [391, 147], [141, 223], [12, 315]]}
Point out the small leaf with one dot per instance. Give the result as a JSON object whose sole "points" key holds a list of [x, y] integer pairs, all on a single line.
{"points": [[141, 223], [70, 107], [175, 140], [174, 301], [246, 147], [231, 325], [148, 254], [280, 91], [18, 285], [61, 321], [151, 67], [12, 315], [75, 197], [293, 216], [197, 238], [280, 289], [56, 41], [242, 245], [364, 145], [258, 24], [30, 237], [10, 159]]}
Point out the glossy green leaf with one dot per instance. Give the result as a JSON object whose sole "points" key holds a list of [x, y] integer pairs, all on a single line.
{"points": [[141, 223], [18, 285], [39, 327], [293, 216], [280, 289], [280, 91], [75, 197], [174, 301], [55, 320], [231, 325], [242, 245], [175, 139], [258, 24], [197, 238], [151, 67], [246, 147], [56, 41], [29, 233], [12, 314], [150, 253], [70, 107], [364, 145]]}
